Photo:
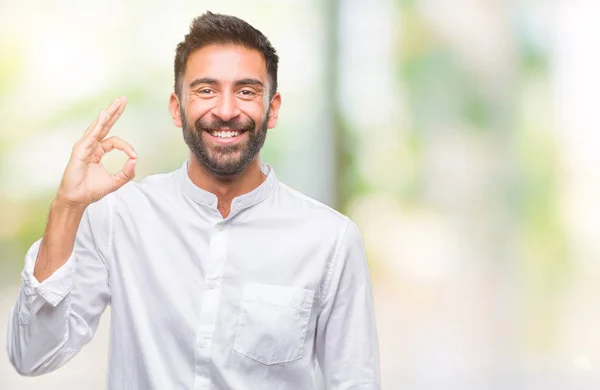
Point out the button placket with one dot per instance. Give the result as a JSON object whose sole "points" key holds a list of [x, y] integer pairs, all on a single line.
{"points": [[210, 284], [210, 298]]}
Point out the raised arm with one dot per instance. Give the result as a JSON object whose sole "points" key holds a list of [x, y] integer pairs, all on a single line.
{"points": [[65, 281]]}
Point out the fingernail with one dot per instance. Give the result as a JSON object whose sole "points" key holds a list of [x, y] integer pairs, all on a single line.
{"points": [[133, 153]]}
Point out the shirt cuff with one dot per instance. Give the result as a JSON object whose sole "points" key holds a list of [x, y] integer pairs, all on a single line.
{"points": [[52, 290]]}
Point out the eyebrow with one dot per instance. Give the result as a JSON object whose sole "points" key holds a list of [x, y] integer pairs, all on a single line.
{"points": [[248, 81], [237, 83], [204, 80]]}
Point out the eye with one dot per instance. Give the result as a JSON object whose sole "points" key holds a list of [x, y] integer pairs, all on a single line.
{"points": [[203, 91], [247, 93]]}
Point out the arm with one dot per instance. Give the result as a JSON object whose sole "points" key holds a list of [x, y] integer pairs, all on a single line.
{"points": [[53, 319], [346, 342], [59, 238], [65, 285]]}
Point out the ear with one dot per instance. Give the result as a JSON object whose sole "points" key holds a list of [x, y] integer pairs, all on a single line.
{"points": [[174, 107], [274, 106]]}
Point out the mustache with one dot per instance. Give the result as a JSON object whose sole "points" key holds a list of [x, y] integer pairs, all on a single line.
{"points": [[218, 123]]}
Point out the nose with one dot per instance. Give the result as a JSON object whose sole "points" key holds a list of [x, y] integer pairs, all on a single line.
{"points": [[226, 107]]}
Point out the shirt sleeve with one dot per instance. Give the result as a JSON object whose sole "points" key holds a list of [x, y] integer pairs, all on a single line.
{"points": [[51, 321], [346, 340]]}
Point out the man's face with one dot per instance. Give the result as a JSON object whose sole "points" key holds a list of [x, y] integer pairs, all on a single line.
{"points": [[224, 108]]}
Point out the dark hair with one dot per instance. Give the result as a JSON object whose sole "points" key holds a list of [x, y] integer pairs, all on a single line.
{"points": [[211, 29]]}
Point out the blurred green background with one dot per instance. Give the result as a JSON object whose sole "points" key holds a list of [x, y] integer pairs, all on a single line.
{"points": [[460, 135]]}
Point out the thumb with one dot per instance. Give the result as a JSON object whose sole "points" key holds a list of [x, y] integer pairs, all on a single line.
{"points": [[125, 175]]}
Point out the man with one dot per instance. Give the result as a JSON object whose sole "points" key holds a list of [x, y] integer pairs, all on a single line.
{"points": [[219, 276]]}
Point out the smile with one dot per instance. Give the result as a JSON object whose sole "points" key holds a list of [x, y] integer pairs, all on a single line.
{"points": [[225, 133], [225, 137]]}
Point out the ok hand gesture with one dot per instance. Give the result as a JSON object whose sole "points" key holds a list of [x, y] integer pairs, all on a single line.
{"points": [[85, 179]]}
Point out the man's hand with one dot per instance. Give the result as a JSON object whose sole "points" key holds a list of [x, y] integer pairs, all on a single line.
{"points": [[85, 179]]}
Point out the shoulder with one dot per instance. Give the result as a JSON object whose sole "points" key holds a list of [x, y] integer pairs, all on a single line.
{"points": [[311, 210]]}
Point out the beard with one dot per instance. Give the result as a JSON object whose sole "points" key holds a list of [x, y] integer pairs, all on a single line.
{"points": [[224, 160]]}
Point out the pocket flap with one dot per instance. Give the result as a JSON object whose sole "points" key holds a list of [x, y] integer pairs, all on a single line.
{"points": [[278, 295]]}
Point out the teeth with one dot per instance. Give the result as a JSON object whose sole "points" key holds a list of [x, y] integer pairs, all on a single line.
{"points": [[225, 134]]}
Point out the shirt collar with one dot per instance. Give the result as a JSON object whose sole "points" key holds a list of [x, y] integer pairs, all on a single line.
{"points": [[209, 199]]}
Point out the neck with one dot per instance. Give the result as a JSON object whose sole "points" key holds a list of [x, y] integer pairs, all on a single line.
{"points": [[226, 188]]}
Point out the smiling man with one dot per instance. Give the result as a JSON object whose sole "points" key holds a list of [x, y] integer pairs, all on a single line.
{"points": [[218, 275]]}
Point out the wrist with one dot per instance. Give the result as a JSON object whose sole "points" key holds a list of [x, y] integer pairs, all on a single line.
{"points": [[66, 207]]}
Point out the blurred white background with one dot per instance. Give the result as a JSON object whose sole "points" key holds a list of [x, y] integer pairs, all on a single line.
{"points": [[460, 135]]}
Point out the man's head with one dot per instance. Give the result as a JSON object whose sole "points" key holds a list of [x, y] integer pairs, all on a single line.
{"points": [[225, 95]]}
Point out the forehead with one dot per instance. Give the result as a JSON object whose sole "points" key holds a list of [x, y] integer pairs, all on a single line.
{"points": [[225, 63]]}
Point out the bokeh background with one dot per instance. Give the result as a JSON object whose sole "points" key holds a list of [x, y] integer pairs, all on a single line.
{"points": [[461, 135]]}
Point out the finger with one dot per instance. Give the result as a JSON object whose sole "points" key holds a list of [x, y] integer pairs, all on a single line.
{"points": [[100, 133], [86, 145], [114, 118], [93, 126], [121, 178], [110, 109], [93, 135], [90, 127], [117, 143]]}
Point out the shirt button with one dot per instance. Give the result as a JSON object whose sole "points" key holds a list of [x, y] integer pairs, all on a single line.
{"points": [[219, 227], [211, 284], [200, 343]]}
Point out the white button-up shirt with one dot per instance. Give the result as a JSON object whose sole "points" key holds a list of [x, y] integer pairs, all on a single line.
{"points": [[256, 300]]}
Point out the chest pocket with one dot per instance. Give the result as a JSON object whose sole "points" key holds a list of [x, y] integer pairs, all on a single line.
{"points": [[272, 323]]}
